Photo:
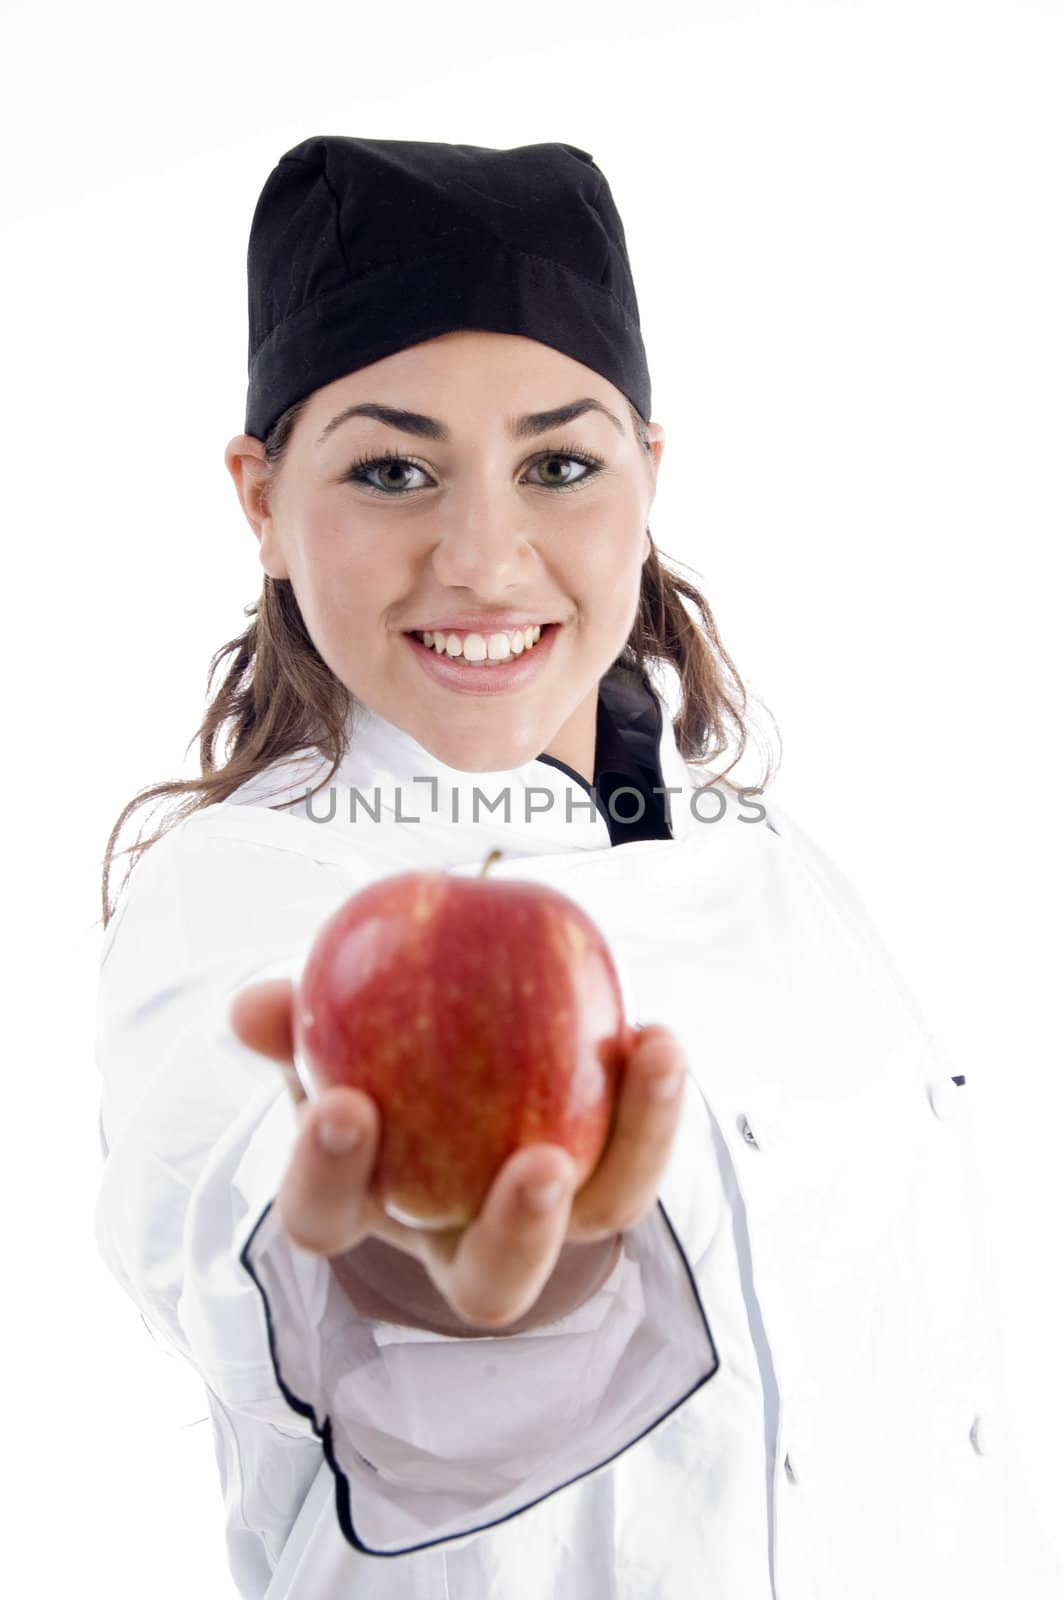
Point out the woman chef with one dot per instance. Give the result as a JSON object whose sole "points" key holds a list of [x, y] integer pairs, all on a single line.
{"points": [[752, 1356]]}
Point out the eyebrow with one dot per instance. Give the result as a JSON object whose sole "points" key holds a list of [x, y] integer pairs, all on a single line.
{"points": [[526, 427]]}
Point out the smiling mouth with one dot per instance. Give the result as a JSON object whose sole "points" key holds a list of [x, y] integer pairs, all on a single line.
{"points": [[484, 649]]}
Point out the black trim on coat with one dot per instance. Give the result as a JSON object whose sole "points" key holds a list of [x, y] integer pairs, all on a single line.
{"points": [[325, 1434]]}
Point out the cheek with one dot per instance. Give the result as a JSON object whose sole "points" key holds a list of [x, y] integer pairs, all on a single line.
{"points": [[342, 582], [604, 551], [606, 574]]}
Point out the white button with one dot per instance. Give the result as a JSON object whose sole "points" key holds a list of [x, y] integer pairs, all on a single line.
{"points": [[981, 1434], [788, 1467], [748, 1134], [947, 1097]]}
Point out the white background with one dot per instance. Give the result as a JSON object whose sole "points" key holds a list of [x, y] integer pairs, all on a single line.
{"points": [[845, 227]]}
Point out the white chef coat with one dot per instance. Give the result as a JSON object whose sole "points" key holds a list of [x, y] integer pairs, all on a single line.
{"points": [[789, 1387]]}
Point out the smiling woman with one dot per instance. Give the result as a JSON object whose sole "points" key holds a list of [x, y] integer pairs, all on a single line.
{"points": [[470, 543], [601, 1384], [477, 545]]}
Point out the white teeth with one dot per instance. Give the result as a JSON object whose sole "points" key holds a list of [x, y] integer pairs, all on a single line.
{"points": [[477, 648]]}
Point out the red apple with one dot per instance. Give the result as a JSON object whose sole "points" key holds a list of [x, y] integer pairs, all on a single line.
{"points": [[481, 1015]]}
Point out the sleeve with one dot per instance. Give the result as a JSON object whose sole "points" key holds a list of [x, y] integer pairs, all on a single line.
{"points": [[430, 1438]]}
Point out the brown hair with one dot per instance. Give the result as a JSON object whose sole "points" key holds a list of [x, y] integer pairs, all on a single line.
{"points": [[278, 695]]}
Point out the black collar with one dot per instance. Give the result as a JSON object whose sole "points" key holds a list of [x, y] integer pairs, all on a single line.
{"points": [[628, 731]]}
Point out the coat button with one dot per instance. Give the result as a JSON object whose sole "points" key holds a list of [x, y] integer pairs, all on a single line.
{"points": [[788, 1467], [748, 1134], [947, 1096], [982, 1436]]}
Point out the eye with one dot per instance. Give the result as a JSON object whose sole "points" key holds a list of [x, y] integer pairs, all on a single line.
{"points": [[361, 470], [365, 465], [591, 464]]}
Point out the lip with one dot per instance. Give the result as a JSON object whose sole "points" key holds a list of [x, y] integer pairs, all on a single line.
{"points": [[503, 677], [471, 622]]}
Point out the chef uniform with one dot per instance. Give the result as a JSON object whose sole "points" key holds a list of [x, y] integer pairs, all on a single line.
{"points": [[789, 1385]]}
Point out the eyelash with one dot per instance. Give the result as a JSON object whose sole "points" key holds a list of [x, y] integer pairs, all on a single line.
{"points": [[359, 469]]}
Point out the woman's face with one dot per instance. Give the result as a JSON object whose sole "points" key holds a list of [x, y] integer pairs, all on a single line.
{"points": [[487, 524]]}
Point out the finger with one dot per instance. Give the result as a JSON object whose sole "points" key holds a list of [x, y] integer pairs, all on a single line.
{"points": [[624, 1184], [261, 1017], [322, 1202], [499, 1264]]}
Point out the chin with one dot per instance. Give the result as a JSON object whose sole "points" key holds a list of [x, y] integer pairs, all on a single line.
{"points": [[478, 753]]}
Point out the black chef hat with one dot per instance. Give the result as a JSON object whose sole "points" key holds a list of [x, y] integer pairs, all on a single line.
{"points": [[361, 247]]}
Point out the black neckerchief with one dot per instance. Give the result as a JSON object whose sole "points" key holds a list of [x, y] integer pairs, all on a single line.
{"points": [[628, 731]]}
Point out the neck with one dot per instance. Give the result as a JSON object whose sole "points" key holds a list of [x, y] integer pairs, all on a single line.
{"points": [[574, 743]]}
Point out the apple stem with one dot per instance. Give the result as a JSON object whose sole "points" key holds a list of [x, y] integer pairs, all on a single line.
{"points": [[496, 855]]}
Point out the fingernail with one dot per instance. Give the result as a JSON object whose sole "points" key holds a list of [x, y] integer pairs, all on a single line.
{"points": [[338, 1137], [542, 1196], [666, 1086]]}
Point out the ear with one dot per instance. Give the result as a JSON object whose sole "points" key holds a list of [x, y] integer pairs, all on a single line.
{"points": [[245, 460], [656, 441]]}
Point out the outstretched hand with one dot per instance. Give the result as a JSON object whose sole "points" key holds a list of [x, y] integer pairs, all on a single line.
{"points": [[491, 1271]]}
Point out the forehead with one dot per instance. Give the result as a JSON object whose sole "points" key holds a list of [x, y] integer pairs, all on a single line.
{"points": [[429, 389], [476, 368]]}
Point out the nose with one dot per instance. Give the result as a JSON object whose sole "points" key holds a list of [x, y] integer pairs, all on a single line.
{"points": [[481, 549]]}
